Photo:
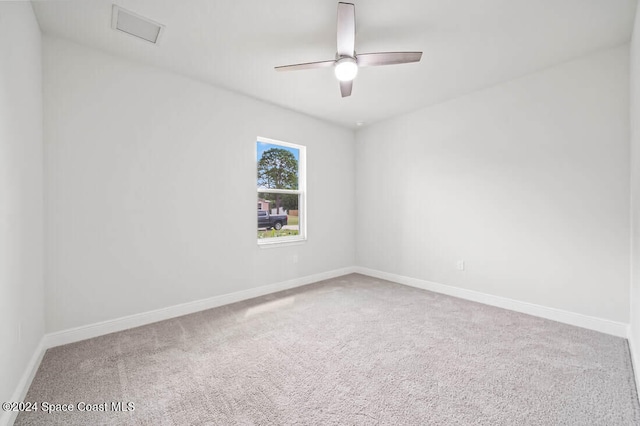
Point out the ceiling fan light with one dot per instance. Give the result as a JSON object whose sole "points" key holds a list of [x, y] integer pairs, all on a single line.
{"points": [[346, 69]]}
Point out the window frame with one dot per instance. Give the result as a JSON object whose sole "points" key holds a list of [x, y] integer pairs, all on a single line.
{"points": [[301, 192]]}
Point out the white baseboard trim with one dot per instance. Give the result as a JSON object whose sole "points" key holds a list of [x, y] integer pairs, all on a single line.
{"points": [[635, 357], [592, 323], [111, 326], [9, 417]]}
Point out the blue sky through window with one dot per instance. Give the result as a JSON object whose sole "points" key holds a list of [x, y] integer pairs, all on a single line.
{"points": [[263, 146]]}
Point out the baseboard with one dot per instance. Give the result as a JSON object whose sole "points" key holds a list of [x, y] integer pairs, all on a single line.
{"points": [[635, 357], [592, 323], [111, 326], [9, 417]]}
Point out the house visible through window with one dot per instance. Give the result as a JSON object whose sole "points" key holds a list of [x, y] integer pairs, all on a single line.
{"points": [[281, 191]]}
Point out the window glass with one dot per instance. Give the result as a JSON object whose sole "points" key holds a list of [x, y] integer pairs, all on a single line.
{"points": [[281, 195]]}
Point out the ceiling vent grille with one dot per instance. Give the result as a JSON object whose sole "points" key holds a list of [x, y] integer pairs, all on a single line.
{"points": [[136, 25]]}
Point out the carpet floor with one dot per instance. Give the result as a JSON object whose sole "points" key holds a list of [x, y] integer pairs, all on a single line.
{"points": [[348, 351]]}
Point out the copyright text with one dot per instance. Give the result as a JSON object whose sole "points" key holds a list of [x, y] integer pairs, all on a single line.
{"points": [[50, 407]]}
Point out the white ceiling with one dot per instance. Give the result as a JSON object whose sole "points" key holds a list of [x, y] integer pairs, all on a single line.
{"points": [[467, 45]]}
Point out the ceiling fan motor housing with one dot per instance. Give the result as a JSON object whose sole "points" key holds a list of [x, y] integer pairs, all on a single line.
{"points": [[346, 68]]}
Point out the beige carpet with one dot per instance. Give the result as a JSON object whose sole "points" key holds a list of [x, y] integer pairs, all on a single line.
{"points": [[348, 351]]}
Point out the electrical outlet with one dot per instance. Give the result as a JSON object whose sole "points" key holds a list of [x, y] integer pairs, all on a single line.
{"points": [[460, 265], [295, 258]]}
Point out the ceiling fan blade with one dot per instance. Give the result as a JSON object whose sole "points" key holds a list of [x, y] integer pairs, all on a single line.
{"points": [[346, 29], [345, 88], [306, 66], [387, 58]]}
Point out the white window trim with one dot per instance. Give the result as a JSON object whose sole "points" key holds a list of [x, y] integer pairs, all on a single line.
{"points": [[301, 191]]}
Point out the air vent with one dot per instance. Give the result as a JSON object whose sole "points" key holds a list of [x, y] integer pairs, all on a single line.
{"points": [[136, 25]]}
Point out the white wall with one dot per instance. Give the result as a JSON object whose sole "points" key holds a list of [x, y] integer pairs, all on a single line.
{"points": [[527, 182], [634, 335], [150, 183], [21, 202]]}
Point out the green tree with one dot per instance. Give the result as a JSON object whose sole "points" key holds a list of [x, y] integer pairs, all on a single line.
{"points": [[287, 201], [278, 169], [290, 201]]}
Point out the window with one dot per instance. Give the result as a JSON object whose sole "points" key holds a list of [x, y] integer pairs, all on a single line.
{"points": [[281, 191]]}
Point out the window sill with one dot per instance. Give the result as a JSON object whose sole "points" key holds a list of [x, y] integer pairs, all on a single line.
{"points": [[281, 243]]}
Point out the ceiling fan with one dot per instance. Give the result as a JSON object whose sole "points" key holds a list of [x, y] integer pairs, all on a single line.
{"points": [[347, 61]]}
